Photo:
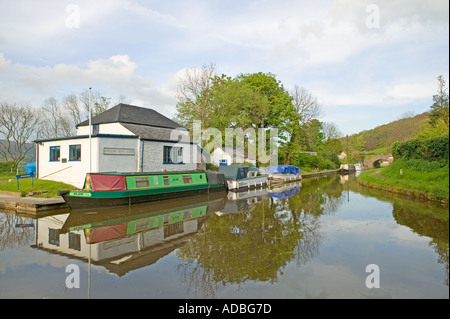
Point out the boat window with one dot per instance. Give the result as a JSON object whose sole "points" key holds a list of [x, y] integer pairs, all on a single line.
{"points": [[187, 179], [142, 224], [141, 181], [166, 219], [187, 214], [166, 180]]}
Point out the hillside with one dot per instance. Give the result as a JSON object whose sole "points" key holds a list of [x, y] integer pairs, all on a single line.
{"points": [[383, 136]]}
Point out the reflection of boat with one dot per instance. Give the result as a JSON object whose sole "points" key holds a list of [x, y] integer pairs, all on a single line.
{"points": [[243, 201], [347, 168], [284, 190], [241, 177], [113, 189], [284, 174], [126, 238]]}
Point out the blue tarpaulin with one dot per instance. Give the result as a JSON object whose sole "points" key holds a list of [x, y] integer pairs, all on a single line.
{"points": [[283, 169], [285, 194], [30, 168]]}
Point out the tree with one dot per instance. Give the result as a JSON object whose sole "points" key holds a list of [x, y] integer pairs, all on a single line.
{"points": [[193, 94], [330, 131], [306, 104], [439, 109], [282, 113], [55, 122], [18, 123]]}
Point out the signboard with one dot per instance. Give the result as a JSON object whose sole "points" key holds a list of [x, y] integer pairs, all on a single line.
{"points": [[118, 151], [25, 176]]}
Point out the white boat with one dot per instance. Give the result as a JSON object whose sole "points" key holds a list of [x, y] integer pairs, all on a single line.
{"points": [[359, 166], [284, 174], [241, 177]]}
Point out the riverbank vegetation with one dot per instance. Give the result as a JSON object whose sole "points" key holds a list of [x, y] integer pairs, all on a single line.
{"points": [[421, 165]]}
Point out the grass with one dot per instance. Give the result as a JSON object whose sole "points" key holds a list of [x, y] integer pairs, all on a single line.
{"points": [[431, 178], [38, 185]]}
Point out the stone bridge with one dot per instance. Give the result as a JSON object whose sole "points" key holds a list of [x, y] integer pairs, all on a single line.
{"points": [[373, 161]]}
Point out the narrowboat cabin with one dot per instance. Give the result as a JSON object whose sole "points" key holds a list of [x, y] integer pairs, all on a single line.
{"points": [[241, 177], [284, 174], [113, 189], [346, 168]]}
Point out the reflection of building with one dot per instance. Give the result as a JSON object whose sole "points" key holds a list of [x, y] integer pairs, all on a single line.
{"points": [[127, 238]]}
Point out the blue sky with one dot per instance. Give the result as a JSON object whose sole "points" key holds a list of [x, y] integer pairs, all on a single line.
{"points": [[368, 62]]}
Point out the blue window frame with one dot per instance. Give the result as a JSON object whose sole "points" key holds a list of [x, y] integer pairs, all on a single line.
{"points": [[55, 152], [172, 155], [75, 152]]}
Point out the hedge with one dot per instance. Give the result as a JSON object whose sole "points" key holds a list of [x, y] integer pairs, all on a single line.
{"points": [[436, 149]]}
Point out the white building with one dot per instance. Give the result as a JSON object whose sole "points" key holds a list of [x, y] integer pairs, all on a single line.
{"points": [[125, 138], [236, 156]]}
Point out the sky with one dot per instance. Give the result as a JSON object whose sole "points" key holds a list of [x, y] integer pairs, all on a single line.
{"points": [[368, 62]]}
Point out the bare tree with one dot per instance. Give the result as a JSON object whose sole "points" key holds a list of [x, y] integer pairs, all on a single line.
{"points": [[18, 124], [73, 107], [191, 92], [331, 131], [55, 120], [306, 104], [99, 103]]}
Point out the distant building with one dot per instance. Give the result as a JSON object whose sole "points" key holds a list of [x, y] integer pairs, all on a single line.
{"points": [[342, 155], [125, 138], [219, 154]]}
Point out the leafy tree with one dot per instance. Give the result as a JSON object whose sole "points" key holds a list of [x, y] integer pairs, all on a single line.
{"points": [[439, 109], [282, 113]]}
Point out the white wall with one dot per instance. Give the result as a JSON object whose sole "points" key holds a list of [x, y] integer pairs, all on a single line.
{"points": [[107, 128], [69, 172], [153, 157]]}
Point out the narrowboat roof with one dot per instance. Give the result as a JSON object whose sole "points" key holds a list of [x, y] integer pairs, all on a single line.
{"points": [[145, 173]]}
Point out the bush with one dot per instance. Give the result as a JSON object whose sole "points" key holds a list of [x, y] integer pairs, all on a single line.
{"points": [[436, 149], [307, 161]]}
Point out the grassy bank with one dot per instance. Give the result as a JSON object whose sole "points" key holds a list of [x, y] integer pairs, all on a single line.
{"points": [[419, 178], [25, 187]]}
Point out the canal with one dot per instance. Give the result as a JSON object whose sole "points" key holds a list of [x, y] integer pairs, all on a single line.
{"points": [[321, 238]]}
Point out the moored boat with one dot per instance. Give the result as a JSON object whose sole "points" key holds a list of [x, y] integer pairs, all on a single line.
{"points": [[345, 168], [284, 174], [113, 189], [241, 177]]}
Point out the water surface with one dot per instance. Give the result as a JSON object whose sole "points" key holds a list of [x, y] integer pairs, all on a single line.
{"points": [[310, 240]]}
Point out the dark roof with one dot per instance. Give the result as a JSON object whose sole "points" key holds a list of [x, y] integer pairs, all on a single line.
{"points": [[131, 114]]}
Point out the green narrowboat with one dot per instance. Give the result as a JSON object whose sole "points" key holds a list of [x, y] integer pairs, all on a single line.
{"points": [[115, 189]]}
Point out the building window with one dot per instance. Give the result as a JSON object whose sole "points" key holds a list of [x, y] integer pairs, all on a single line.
{"points": [[95, 129], [75, 241], [173, 155], [54, 153], [75, 152], [53, 236]]}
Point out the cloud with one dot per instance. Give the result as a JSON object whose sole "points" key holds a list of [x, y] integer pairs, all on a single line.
{"points": [[112, 76]]}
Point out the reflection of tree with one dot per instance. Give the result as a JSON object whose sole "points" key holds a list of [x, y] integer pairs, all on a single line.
{"points": [[257, 244], [11, 236], [433, 225]]}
